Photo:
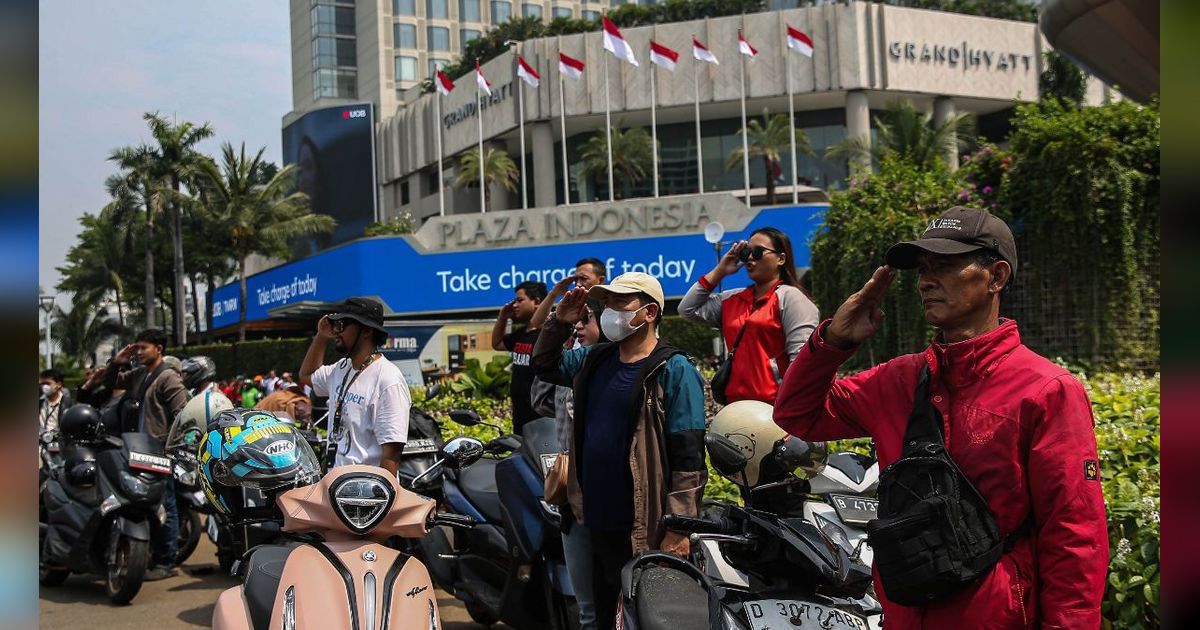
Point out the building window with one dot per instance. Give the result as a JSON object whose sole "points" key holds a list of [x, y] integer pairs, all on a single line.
{"points": [[530, 9], [327, 20], [404, 198], [406, 68], [436, 9], [779, 5], [501, 11], [561, 12], [437, 64], [439, 38], [468, 11], [330, 51], [404, 7], [335, 83], [404, 35], [591, 15], [465, 35]]}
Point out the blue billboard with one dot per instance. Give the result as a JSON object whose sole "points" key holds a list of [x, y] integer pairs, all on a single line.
{"points": [[412, 282]]}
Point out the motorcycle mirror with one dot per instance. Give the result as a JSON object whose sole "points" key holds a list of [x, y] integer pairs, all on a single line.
{"points": [[465, 417], [792, 453], [433, 391], [461, 452], [727, 458]]}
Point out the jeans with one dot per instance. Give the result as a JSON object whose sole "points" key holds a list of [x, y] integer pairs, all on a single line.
{"points": [[577, 547], [610, 552], [166, 546]]}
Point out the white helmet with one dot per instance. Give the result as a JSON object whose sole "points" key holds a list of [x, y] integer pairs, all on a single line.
{"points": [[192, 421], [749, 425]]}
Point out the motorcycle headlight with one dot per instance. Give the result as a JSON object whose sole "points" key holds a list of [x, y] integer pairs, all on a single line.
{"points": [[834, 534], [361, 500], [134, 487]]}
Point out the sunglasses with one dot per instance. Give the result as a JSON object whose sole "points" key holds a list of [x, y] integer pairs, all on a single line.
{"points": [[754, 253], [339, 325]]}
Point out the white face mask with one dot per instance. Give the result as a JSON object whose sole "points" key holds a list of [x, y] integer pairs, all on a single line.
{"points": [[615, 324], [47, 389]]}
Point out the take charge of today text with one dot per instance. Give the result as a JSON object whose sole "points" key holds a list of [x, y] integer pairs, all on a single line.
{"points": [[465, 280]]}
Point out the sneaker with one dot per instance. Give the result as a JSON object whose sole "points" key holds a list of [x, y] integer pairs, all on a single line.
{"points": [[160, 572]]}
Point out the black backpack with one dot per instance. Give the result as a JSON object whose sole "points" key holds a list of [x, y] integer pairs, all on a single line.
{"points": [[935, 533]]}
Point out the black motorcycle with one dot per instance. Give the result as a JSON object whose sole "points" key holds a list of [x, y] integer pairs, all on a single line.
{"points": [[788, 571], [101, 507]]}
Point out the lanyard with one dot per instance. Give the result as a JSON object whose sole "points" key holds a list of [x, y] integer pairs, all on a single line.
{"points": [[336, 431]]}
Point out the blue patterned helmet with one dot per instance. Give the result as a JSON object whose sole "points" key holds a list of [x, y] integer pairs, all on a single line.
{"points": [[251, 448]]}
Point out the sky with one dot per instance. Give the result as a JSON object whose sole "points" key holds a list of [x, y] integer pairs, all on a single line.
{"points": [[103, 64]]}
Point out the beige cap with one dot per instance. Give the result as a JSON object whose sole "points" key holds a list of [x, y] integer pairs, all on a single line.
{"points": [[628, 283]]}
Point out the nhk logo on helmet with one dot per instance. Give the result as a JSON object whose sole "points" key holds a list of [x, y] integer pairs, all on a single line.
{"points": [[279, 447]]}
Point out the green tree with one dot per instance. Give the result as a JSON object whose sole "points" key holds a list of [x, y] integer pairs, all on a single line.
{"points": [[97, 264], [632, 156], [1062, 79], [905, 131], [1020, 10], [393, 226], [250, 215], [80, 331], [498, 168], [138, 183], [770, 141]]}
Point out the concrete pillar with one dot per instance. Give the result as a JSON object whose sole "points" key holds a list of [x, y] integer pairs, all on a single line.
{"points": [[943, 110], [858, 125], [542, 167]]}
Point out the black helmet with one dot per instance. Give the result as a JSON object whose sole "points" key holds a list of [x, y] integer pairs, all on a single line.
{"points": [[82, 474], [197, 370], [81, 422]]}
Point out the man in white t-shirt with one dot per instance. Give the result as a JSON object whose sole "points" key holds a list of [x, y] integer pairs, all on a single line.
{"points": [[368, 396]]}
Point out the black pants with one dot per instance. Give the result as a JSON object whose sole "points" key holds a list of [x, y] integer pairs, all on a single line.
{"points": [[610, 552]]}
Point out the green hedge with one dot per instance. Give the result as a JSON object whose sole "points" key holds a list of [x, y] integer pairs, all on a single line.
{"points": [[247, 358], [694, 339]]}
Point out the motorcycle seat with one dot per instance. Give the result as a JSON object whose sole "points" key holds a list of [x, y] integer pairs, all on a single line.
{"points": [[478, 483], [262, 581], [668, 600]]}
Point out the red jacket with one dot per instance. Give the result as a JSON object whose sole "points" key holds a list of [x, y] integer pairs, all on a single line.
{"points": [[1022, 431]]}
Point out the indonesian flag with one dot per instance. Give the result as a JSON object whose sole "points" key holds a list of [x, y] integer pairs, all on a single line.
{"points": [[443, 83], [662, 56], [615, 43], [527, 73], [570, 66], [481, 81], [799, 42], [744, 46], [701, 52]]}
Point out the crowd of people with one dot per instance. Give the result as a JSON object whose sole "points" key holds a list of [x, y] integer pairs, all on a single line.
{"points": [[631, 419]]}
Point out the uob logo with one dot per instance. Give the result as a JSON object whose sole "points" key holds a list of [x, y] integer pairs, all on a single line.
{"points": [[354, 113]]}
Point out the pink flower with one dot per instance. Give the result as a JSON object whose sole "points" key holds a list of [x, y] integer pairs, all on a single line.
{"points": [[987, 190]]}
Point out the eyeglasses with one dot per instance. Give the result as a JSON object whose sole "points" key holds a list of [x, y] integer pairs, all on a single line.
{"points": [[754, 253], [339, 325]]}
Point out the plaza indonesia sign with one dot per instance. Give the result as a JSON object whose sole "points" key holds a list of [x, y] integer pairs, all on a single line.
{"points": [[960, 55], [464, 263]]}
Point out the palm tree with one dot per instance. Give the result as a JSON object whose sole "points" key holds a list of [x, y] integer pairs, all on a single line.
{"points": [[1062, 79], [250, 214], [910, 133], [137, 181], [498, 167], [95, 264], [632, 157], [80, 332], [770, 141]]}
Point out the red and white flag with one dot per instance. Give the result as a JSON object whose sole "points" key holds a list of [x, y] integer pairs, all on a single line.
{"points": [[744, 46], [527, 73], [799, 42], [481, 81], [570, 66], [662, 56], [701, 52], [443, 83], [615, 43]]}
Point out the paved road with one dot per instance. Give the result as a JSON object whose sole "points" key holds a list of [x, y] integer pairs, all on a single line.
{"points": [[184, 601]]}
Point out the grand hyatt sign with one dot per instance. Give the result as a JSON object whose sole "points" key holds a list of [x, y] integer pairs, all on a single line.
{"points": [[952, 56]]}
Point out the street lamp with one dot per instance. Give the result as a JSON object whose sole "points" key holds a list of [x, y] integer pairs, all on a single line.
{"points": [[47, 304]]}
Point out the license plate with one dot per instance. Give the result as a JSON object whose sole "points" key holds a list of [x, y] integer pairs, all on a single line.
{"points": [[153, 463], [855, 510], [420, 446], [547, 462], [789, 614]]}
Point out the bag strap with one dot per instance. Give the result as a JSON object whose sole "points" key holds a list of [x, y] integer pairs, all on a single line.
{"points": [[924, 421], [144, 386], [741, 331]]}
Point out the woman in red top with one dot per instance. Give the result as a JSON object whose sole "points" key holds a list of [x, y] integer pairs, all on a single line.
{"points": [[777, 315]]}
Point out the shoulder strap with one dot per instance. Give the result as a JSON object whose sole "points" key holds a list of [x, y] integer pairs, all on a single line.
{"points": [[925, 421], [149, 379]]}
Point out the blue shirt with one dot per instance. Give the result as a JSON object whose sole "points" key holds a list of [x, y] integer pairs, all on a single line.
{"points": [[605, 477]]}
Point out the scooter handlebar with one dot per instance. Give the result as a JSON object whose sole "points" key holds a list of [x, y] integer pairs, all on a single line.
{"points": [[692, 525], [451, 520]]}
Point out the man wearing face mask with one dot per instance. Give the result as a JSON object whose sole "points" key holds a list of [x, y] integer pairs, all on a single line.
{"points": [[637, 449], [54, 399], [368, 396]]}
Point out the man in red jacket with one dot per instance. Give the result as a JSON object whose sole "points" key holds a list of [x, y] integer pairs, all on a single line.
{"points": [[1019, 426]]}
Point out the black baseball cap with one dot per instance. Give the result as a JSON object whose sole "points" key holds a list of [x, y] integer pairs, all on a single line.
{"points": [[959, 231], [364, 310]]}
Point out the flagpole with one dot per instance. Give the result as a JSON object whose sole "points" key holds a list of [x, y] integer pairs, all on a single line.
{"points": [[696, 91], [608, 130], [479, 118], [654, 121], [437, 104], [562, 123], [521, 114], [791, 120], [745, 136]]}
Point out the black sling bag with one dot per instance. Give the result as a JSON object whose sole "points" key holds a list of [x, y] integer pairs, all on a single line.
{"points": [[935, 533]]}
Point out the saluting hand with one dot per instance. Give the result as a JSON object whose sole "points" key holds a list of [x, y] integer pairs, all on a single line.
{"points": [[570, 309], [859, 317], [325, 328], [730, 263]]}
